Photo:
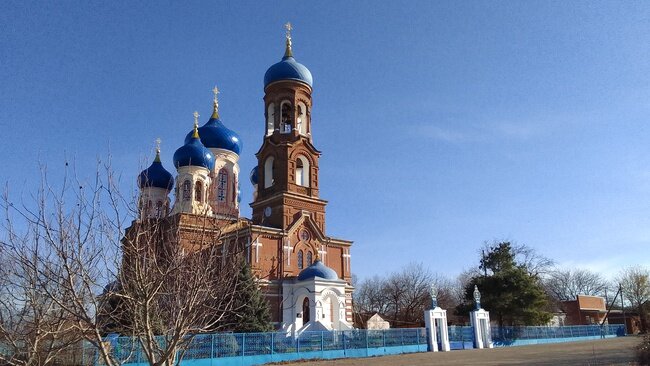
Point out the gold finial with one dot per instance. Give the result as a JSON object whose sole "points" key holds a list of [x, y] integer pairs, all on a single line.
{"points": [[215, 111], [196, 125], [317, 256], [288, 52], [157, 159]]}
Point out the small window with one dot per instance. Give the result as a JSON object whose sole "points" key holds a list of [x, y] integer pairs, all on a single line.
{"points": [[269, 171], [301, 122], [187, 188], [270, 119], [286, 118], [309, 258], [159, 209], [302, 171], [198, 191], [300, 262], [222, 185]]}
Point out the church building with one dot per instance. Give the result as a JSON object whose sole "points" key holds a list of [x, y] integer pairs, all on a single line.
{"points": [[304, 273]]}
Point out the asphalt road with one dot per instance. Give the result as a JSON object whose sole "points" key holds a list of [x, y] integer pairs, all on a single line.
{"points": [[613, 351]]}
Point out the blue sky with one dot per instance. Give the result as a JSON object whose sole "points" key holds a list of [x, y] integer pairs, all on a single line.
{"points": [[442, 124]]}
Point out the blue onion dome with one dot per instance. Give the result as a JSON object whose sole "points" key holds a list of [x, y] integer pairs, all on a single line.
{"points": [[193, 153], [318, 269], [214, 134], [156, 176], [254, 176], [288, 68]]}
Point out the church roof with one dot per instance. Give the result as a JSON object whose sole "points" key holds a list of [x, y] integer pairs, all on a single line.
{"points": [[193, 153], [214, 134], [156, 176], [318, 269], [288, 69]]}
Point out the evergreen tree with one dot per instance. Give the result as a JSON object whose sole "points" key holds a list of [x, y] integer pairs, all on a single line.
{"points": [[250, 308], [508, 291]]}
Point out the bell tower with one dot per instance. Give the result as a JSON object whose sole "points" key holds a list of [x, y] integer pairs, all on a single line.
{"points": [[287, 167]]}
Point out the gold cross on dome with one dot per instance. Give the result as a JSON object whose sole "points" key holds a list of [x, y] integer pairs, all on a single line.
{"points": [[196, 118], [289, 28], [158, 141], [215, 91]]}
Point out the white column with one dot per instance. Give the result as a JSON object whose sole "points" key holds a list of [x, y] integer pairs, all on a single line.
{"points": [[480, 320], [436, 319]]}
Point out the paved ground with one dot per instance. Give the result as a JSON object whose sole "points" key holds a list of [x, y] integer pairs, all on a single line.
{"points": [[613, 351]]}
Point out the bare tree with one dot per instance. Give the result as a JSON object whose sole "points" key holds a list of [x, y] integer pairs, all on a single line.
{"points": [[635, 283], [34, 330], [566, 284], [105, 267], [403, 296], [536, 264]]}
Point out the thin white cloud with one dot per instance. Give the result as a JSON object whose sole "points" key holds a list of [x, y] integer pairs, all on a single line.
{"points": [[483, 132], [443, 134]]}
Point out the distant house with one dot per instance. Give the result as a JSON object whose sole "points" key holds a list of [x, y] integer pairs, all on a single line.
{"points": [[584, 310], [587, 310], [377, 322]]}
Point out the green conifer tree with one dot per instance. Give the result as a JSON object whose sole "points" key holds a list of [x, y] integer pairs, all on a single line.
{"points": [[250, 308], [508, 291]]}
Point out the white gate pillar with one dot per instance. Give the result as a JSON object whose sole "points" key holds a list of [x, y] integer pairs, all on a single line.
{"points": [[435, 321], [480, 320]]}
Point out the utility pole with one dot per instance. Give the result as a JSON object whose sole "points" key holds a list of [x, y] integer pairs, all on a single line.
{"points": [[484, 266], [620, 288]]}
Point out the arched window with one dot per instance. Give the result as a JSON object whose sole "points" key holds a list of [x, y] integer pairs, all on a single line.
{"points": [[302, 171], [198, 191], [309, 259], [270, 119], [285, 117], [222, 185], [269, 169], [301, 122], [187, 188], [305, 310], [300, 262], [159, 209]]}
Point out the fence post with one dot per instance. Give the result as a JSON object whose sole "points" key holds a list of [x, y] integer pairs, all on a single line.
{"points": [[243, 345], [212, 345], [343, 333], [272, 342], [321, 341], [383, 335], [298, 345], [417, 338], [367, 347]]}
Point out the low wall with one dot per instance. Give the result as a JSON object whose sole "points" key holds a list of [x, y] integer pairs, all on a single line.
{"points": [[280, 357]]}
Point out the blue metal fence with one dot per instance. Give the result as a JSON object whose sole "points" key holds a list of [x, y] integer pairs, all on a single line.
{"points": [[258, 348], [507, 336]]}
